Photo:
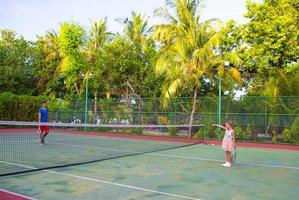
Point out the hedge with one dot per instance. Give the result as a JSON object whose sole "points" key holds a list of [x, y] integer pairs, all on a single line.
{"points": [[19, 107]]}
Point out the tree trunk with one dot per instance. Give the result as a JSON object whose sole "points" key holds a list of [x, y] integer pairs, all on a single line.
{"points": [[76, 88], [129, 106], [192, 112]]}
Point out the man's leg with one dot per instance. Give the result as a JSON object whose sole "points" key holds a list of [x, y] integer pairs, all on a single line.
{"points": [[45, 133], [41, 134], [42, 137]]}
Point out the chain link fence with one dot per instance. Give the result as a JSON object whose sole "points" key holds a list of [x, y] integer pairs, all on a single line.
{"points": [[255, 118]]}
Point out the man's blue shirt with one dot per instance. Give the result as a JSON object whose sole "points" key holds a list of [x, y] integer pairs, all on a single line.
{"points": [[44, 114]]}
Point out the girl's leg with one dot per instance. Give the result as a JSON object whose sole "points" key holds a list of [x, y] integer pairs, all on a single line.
{"points": [[228, 156]]}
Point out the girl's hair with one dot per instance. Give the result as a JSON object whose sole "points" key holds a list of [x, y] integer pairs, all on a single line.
{"points": [[230, 122]]}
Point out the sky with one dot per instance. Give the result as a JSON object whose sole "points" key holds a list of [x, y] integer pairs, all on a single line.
{"points": [[34, 17]]}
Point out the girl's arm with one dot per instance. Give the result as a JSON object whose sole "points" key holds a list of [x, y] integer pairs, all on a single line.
{"points": [[220, 126]]}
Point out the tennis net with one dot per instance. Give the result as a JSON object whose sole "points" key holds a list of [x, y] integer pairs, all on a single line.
{"points": [[74, 144]]}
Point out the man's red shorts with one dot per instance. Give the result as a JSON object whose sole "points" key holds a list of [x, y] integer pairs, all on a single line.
{"points": [[44, 129]]}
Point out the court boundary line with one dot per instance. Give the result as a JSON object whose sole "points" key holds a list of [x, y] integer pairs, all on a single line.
{"points": [[16, 194], [216, 160], [107, 182], [289, 147], [152, 153], [179, 156]]}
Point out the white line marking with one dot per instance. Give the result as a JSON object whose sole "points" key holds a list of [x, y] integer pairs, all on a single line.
{"points": [[215, 160], [123, 185], [178, 156], [17, 194], [108, 182]]}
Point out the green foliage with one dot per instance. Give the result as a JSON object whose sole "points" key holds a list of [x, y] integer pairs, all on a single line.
{"points": [[286, 135], [19, 107], [291, 135], [97, 38], [199, 135], [242, 134], [71, 41], [137, 131], [123, 66], [295, 131], [213, 133], [268, 46], [17, 67], [172, 131], [48, 60], [271, 34]]}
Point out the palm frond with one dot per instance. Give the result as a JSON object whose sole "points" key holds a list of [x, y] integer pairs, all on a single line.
{"points": [[172, 88], [236, 75]]}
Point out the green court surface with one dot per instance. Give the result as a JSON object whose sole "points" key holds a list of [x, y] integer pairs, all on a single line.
{"points": [[192, 172]]}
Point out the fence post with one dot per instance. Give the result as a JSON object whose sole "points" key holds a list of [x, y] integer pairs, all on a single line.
{"points": [[219, 105], [265, 114], [175, 113]]}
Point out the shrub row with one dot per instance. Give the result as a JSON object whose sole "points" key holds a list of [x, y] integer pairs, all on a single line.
{"points": [[19, 107]]}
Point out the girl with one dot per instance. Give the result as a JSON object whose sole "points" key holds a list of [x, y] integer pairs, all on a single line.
{"points": [[229, 142]]}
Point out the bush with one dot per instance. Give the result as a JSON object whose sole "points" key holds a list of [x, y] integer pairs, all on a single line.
{"points": [[172, 131], [137, 131], [286, 135], [294, 132], [213, 133], [19, 107], [162, 120], [241, 134], [199, 135]]}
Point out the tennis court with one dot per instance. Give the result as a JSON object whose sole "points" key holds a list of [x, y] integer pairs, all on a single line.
{"points": [[140, 167]]}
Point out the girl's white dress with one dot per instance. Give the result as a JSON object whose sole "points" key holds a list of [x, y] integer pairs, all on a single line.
{"points": [[227, 142]]}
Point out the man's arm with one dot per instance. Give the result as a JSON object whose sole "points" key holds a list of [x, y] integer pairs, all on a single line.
{"points": [[39, 116]]}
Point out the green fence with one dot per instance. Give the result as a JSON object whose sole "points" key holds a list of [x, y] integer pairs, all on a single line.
{"points": [[273, 119]]}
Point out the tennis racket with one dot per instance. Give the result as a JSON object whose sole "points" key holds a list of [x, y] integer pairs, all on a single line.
{"points": [[39, 133], [234, 155]]}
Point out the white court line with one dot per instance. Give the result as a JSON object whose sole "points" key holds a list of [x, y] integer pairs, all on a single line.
{"points": [[17, 194], [123, 185], [106, 182], [215, 160], [178, 156], [22, 141], [259, 149]]}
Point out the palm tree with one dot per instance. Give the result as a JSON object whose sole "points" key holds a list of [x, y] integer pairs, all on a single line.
{"points": [[279, 83], [97, 38], [188, 51], [50, 72], [137, 31], [136, 28]]}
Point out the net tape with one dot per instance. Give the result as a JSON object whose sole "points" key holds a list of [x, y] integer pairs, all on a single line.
{"points": [[58, 124]]}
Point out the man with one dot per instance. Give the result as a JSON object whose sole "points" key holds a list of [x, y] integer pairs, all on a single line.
{"points": [[43, 117]]}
